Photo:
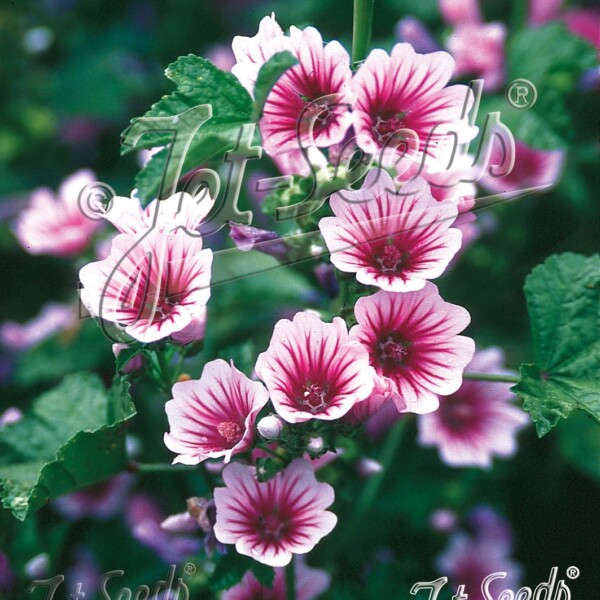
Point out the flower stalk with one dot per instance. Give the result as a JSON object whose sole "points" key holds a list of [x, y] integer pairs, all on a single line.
{"points": [[361, 29]]}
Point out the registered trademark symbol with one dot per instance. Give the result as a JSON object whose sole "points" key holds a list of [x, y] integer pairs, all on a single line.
{"points": [[521, 93], [572, 572], [189, 568]]}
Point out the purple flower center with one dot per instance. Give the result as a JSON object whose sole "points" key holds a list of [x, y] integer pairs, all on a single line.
{"points": [[231, 432], [391, 259], [392, 350], [386, 127], [314, 396], [457, 414], [272, 526]]}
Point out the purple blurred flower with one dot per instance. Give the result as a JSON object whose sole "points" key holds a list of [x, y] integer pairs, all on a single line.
{"points": [[144, 518], [101, 501], [469, 559], [412, 31], [325, 274], [84, 571], [7, 576], [246, 237], [53, 318]]}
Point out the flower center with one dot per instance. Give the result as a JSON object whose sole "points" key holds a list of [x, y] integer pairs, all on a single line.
{"points": [[231, 432], [313, 395], [391, 259], [386, 128], [317, 112], [457, 414], [272, 525], [392, 350]]}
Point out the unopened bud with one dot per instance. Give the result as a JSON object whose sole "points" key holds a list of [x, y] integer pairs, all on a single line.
{"points": [[37, 567], [270, 427], [367, 467], [443, 520], [315, 445]]}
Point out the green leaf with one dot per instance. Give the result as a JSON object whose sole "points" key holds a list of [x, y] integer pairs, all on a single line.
{"points": [[198, 82], [563, 300], [233, 566], [579, 444], [268, 75], [547, 125], [73, 437], [549, 57], [65, 353]]}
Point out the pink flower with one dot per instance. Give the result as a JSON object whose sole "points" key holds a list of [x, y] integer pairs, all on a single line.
{"points": [[57, 224], [476, 422], [363, 411], [457, 12], [154, 286], [308, 106], [584, 22], [394, 240], [271, 521], [413, 340], [542, 11], [532, 169], [53, 317], [406, 91], [310, 583], [180, 212], [312, 370], [214, 416], [478, 49]]}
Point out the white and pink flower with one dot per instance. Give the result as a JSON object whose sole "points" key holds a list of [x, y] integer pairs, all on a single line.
{"points": [[413, 340], [476, 422], [394, 240], [214, 416], [309, 105], [312, 370], [180, 212], [273, 520], [154, 286], [309, 582], [58, 224], [403, 94]]}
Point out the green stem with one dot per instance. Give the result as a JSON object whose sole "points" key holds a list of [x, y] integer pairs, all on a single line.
{"points": [[165, 370], [160, 468], [491, 377], [361, 29], [371, 489], [290, 580]]}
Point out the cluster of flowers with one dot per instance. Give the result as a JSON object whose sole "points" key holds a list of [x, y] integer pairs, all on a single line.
{"points": [[396, 234]]}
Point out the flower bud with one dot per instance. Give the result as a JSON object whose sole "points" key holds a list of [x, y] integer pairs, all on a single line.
{"points": [[270, 427], [443, 520], [315, 445], [367, 467], [37, 567]]}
